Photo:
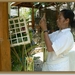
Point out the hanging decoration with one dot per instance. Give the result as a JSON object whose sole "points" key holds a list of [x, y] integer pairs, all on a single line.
{"points": [[19, 34]]}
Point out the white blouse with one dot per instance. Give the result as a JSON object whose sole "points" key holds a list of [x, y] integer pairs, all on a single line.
{"points": [[62, 43]]}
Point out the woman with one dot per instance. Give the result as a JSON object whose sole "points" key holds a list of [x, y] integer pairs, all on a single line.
{"points": [[59, 43]]}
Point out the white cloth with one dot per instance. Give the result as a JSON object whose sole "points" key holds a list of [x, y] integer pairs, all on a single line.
{"points": [[62, 43], [72, 58]]}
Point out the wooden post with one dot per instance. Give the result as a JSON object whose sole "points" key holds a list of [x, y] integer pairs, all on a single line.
{"points": [[18, 11], [33, 17], [57, 11], [5, 58]]}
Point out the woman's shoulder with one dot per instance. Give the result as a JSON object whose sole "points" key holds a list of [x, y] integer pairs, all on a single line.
{"points": [[54, 32]]}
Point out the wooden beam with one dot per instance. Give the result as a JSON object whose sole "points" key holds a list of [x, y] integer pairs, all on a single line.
{"points": [[16, 3], [5, 57], [24, 4]]}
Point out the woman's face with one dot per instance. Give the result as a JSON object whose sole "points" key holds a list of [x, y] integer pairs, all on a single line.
{"points": [[61, 21]]}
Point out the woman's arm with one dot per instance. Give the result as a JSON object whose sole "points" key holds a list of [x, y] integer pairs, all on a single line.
{"points": [[46, 37], [48, 42]]}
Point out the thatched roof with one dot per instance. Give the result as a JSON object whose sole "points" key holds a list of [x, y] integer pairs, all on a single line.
{"points": [[32, 4]]}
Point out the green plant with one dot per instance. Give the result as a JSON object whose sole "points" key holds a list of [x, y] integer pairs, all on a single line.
{"points": [[18, 54]]}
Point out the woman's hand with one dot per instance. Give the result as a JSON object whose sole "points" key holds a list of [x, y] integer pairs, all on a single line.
{"points": [[43, 23]]}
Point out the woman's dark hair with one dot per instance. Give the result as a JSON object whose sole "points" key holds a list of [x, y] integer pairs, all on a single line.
{"points": [[69, 14]]}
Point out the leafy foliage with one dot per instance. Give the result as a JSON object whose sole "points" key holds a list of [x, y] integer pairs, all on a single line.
{"points": [[18, 54]]}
